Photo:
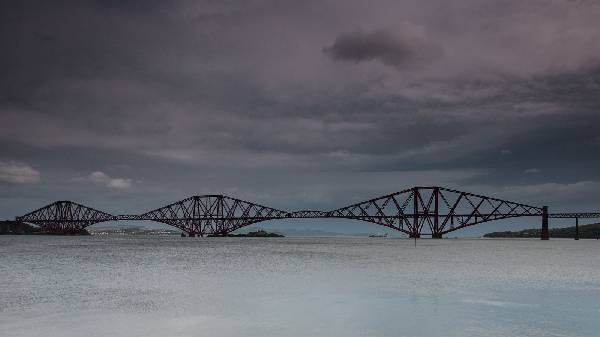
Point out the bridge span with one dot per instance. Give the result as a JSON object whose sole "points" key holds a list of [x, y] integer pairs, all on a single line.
{"points": [[418, 211]]}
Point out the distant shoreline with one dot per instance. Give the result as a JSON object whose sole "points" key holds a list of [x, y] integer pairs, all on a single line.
{"points": [[591, 231]]}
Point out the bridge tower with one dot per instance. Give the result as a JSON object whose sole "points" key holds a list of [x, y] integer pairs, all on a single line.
{"points": [[415, 230], [426, 210], [544, 234], [436, 232]]}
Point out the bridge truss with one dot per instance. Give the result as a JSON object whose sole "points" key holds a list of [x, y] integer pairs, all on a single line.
{"points": [[65, 217], [212, 214], [438, 210], [417, 211]]}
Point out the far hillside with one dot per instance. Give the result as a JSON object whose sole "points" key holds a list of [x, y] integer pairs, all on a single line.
{"points": [[585, 232], [9, 227]]}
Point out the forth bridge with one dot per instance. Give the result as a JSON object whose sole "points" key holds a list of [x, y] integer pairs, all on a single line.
{"points": [[418, 211]]}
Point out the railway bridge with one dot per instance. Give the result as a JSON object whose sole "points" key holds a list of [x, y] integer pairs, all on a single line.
{"points": [[418, 211]]}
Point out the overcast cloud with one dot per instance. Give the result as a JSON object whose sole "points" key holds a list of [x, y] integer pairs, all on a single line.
{"points": [[18, 173], [297, 104]]}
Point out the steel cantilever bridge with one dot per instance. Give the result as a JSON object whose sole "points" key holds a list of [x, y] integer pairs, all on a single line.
{"points": [[417, 211]]}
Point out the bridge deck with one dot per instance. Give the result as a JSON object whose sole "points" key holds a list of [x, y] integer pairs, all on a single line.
{"points": [[413, 211]]}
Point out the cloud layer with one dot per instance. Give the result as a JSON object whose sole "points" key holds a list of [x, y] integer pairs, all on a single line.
{"points": [[18, 173], [381, 46], [284, 102], [101, 178]]}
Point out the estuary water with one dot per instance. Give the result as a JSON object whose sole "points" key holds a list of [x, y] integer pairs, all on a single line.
{"points": [[172, 286]]}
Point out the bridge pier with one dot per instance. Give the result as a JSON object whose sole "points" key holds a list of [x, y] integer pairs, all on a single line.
{"points": [[436, 235], [414, 235], [576, 228], [545, 235]]}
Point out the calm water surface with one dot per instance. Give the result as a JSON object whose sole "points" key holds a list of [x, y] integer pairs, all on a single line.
{"points": [[171, 286]]}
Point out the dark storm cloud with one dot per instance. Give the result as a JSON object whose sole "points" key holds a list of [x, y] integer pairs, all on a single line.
{"points": [[135, 103], [380, 46]]}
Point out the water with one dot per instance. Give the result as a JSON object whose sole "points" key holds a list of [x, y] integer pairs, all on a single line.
{"points": [[171, 286]]}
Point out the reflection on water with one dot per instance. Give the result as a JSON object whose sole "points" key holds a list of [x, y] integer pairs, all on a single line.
{"points": [[171, 286]]}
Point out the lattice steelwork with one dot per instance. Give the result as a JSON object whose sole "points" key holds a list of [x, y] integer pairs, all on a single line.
{"points": [[438, 209], [309, 214], [65, 217], [212, 214], [417, 211]]}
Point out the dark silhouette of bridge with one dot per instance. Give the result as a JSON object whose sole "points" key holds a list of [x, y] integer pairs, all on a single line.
{"points": [[418, 211]]}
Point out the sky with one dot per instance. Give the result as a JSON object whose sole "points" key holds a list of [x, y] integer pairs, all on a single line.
{"points": [[126, 106]]}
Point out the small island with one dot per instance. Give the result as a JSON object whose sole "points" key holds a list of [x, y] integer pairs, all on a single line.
{"points": [[257, 234], [585, 232]]}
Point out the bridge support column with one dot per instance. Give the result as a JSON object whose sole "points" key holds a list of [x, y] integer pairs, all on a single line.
{"points": [[415, 231], [436, 235], [191, 234], [576, 228], [545, 235]]}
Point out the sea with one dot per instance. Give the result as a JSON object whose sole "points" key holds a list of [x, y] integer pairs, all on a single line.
{"points": [[328, 286]]}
